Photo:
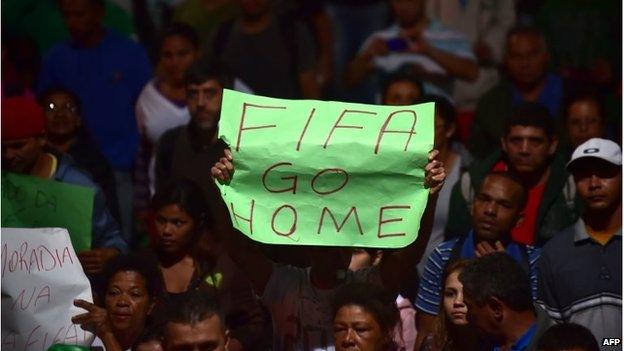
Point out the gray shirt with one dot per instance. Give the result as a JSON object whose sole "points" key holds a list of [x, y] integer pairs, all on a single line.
{"points": [[580, 281], [265, 60]]}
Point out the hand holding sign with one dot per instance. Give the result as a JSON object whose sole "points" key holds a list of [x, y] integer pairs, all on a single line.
{"points": [[435, 173]]}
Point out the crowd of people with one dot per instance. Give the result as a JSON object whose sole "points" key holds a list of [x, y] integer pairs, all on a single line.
{"points": [[519, 246]]}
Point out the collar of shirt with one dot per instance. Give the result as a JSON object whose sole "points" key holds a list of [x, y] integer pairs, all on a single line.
{"points": [[524, 341], [468, 249], [580, 232]]}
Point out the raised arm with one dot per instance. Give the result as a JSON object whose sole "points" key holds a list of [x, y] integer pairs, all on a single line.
{"points": [[256, 266], [395, 267], [363, 63]]}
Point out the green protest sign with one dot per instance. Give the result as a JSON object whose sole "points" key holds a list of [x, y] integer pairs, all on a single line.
{"points": [[326, 173], [31, 202]]}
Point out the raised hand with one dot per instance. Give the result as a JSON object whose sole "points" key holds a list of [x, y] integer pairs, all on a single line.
{"points": [[435, 173], [223, 170]]}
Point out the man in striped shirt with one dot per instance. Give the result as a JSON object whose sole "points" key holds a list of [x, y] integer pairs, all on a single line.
{"points": [[496, 210], [581, 267]]}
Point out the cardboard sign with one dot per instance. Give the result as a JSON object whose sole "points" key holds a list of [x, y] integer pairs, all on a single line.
{"points": [[41, 277], [31, 202], [326, 173]]}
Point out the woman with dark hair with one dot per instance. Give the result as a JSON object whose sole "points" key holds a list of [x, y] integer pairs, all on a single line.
{"points": [[365, 318], [129, 289], [190, 257], [66, 133], [182, 224], [161, 106], [162, 103], [452, 331]]}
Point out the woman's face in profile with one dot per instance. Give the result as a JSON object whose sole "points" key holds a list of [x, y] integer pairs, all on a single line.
{"points": [[454, 306], [355, 329]]}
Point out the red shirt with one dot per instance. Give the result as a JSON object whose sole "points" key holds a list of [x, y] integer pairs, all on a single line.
{"points": [[525, 233]]}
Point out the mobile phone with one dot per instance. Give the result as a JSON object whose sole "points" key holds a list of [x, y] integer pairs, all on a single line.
{"points": [[397, 44]]}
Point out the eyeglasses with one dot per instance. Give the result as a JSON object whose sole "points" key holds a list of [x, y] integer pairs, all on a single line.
{"points": [[52, 108]]}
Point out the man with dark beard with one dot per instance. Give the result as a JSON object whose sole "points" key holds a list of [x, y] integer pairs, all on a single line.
{"points": [[189, 151]]}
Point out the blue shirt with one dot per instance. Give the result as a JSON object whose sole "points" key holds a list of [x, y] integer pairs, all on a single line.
{"points": [[551, 95], [430, 287], [108, 79], [524, 341]]}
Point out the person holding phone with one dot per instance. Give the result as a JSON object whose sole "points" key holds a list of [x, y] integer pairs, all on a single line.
{"points": [[435, 53]]}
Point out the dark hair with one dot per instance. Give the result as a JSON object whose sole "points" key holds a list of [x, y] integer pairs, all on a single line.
{"points": [[567, 336], [182, 30], [531, 114], [189, 196], [132, 263], [191, 307], [152, 332], [372, 298], [511, 177], [60, 90], [443, 107], [497, 275], [584, 95], [399, 77], [202, 71]]}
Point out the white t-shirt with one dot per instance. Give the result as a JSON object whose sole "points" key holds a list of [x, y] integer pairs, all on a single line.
{"points": [[156, 114], [302, 316]]}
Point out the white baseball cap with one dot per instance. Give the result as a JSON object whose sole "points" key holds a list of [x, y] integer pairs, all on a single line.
{"points": [[598, 148]]}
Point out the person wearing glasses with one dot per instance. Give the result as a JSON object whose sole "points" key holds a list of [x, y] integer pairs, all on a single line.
{"points": [[25, 151]]}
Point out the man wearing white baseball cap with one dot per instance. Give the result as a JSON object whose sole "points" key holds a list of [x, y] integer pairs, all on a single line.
{"points": [[581, 268]]}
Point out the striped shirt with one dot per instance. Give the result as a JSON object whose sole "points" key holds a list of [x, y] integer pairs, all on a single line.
{"points": [[581, 281], [430, 288]]}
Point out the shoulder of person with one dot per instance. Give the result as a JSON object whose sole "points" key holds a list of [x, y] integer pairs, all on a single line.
{"points": [[58, 51], [148, 89], [498, 91], [171, 135], [69, 172], [560, 241]]}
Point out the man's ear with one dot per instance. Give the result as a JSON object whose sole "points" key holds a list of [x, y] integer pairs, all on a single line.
{"points": [[377, 257], [495, 306], [520, 219], [450, 131], [554, 143], [152, 304], [503, 144], [227, 339]]}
